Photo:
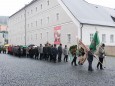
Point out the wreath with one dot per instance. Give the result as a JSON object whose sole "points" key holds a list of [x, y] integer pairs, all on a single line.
{"points": [[73, 49]]}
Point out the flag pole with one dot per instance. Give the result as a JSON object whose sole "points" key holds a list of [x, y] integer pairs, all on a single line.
{"points": [[88, 50]]}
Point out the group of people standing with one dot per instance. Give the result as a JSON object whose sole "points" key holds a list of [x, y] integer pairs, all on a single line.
{"points": [[54, 54], [48, 52], [3, 49]]}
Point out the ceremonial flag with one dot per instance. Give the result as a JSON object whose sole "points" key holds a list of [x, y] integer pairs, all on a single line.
{"points": [[95, 42], [83, 49]]}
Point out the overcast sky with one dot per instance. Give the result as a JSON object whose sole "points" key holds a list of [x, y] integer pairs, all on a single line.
{"points": [[8, 7]]}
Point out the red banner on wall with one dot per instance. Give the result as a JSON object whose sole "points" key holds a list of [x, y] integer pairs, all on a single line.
{"points": [[57, 35]]}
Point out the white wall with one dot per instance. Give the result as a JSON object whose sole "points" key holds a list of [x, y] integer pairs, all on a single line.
{"points": [[91, 29], [1, 39], [17, 29]]}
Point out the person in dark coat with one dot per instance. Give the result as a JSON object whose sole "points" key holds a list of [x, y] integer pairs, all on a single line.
{"points": [[74, 60], [54, 53], [101, 56], [51, 54], [31, 52], [36, 52], [4, 50], [27, 52], [19, 51], [45, 52], [41, 51], [0, 49], [90, 59], [59, 53], [49, 51], [24, 51]]}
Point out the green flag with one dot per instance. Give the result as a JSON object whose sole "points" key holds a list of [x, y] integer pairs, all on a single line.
{"points": [[95, 42]]}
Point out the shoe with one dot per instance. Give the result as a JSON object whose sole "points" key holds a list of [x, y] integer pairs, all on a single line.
{"points": [[101, 69], [71, 63], [97, 67], [90, 70]]}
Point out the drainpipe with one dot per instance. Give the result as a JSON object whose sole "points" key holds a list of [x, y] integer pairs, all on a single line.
{"points": [[25, 24], [81, 30]]}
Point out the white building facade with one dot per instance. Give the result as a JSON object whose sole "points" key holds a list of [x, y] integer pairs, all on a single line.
{"points": [[38, 22], [1, 39]]}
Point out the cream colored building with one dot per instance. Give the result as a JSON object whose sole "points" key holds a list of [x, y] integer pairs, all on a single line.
{"points": [[1, 39], [36, 23]]}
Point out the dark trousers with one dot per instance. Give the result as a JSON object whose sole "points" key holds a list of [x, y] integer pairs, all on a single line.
{"points": [[74, 61], [66, 58], [19, 54], [90, 66], [59, 57], [41, 56], [27, 55], [100, 64], [54, 57], [36, 55], [4, 51], [51, 57], [31, 55], [46, 56]]}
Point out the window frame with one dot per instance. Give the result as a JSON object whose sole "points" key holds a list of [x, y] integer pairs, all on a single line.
{"points": [[111, 38], [91, 37], [104, 38], [68, 38]]}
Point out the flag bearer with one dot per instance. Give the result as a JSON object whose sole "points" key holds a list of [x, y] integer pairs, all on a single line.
{"points": [[90, 59]]}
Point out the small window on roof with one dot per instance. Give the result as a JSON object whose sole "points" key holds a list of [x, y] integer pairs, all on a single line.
{"points": [[113, 18]]}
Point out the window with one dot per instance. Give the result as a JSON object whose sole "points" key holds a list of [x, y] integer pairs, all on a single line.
{"points": [[36, 23], [41, 6], [31, 37], [103, 38], [91, 37], [31, 24], [48, 3], [41, 35], [41, 21], [27, 38], [111, 38], [47, 19], [69, 38], [28, 13], [36, 36], [28, 25], [21, 16], [57, 16], [36, 9], [47, 36], [31, 11]]}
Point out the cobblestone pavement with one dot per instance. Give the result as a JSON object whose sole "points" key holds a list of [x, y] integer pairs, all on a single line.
{"points": [[16, 71]]}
